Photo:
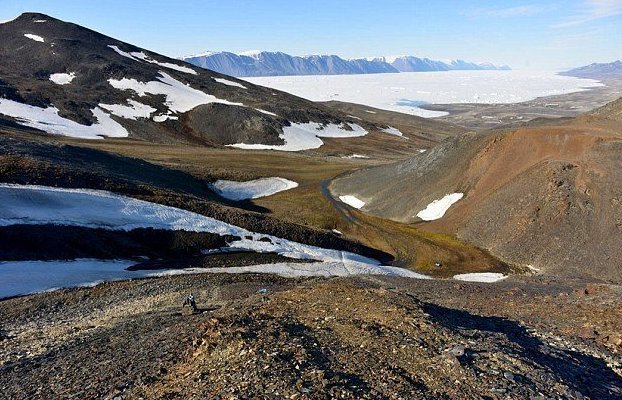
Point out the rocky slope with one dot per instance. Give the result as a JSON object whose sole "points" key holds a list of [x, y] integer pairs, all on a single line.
{"points": [[266, 63], [543, 197], [362, 338], [611, 110]]}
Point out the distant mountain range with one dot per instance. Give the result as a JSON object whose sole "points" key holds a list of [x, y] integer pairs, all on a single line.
{"points": [[597, 70], [266, 63]]}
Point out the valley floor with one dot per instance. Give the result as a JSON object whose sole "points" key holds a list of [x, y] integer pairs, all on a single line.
{"points": [[364, 337], [311, 203], [488, 116]]}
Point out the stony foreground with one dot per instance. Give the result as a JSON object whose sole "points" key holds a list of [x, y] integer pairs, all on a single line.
{"points": [[314, 339]]}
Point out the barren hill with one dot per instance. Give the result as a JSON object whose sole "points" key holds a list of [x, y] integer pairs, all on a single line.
{"points": [[545, 197]]}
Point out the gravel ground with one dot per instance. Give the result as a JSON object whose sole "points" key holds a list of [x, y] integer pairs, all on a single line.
{"points": [[365, 337]]}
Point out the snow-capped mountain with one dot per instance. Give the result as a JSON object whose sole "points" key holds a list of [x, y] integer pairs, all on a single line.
{"points": [[597, 70], [265, 63]]}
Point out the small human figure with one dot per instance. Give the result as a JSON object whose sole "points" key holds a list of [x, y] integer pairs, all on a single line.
{"points": [[190, 302], [264, 294]]}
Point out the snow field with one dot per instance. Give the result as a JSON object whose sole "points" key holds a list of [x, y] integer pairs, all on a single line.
{"points": [[406, 91], [179, 96], [26, 277], [393, 131], [266, 112], [34, 205], [48, 120]]}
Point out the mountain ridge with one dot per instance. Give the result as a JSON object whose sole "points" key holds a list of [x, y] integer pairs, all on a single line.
{"points": [[596, 70], [277, 63]]}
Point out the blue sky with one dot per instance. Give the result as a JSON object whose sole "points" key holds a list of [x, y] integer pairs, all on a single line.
{"points": [[524, 34]]}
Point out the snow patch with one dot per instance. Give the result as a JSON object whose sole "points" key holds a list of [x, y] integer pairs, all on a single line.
{"points": [[48, 120], [36, 38], [179, 97], [266, 112], [121, 52], [352, 116], [356, 156], [40, 21], [140, 56], [62, 78], [307, 136], [392, 131], [250, 53], [336, 131], [486, 277], [438, 208], [229, 83], [233, 190], [164, 117], [352, 201], [134, 111]]}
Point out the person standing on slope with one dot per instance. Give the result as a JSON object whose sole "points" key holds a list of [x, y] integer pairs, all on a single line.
{"points": [[190, 302]]}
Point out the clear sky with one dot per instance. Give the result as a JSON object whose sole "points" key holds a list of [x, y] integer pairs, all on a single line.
{"points": [[524, 34]]}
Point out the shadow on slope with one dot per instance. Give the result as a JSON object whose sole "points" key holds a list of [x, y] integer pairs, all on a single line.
{"points": [[583, 373]]}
